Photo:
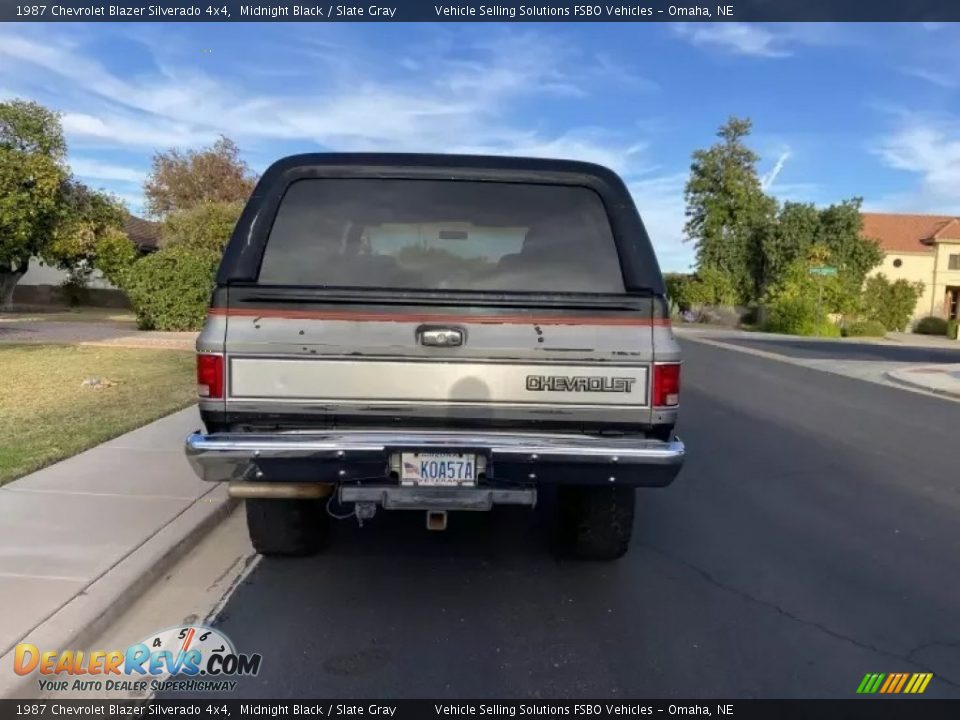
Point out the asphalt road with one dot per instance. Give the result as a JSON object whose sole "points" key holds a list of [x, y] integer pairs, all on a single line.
{"points": [[836, 350], [812, 537]]}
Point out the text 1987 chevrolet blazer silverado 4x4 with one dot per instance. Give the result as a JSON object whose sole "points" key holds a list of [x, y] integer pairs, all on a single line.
{"points": [[437, 333]]}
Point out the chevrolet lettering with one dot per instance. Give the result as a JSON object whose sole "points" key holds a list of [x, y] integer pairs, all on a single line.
{"points": [[561, 383], [438, 334]]}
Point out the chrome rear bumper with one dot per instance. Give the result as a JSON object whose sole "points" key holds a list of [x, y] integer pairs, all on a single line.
{"points": [[365, 455]]}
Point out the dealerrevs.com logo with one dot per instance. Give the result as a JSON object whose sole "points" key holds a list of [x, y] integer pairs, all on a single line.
{"points": [[192, 658]]}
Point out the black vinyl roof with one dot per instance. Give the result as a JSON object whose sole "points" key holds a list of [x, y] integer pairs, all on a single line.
{"points": [[242, 257]]}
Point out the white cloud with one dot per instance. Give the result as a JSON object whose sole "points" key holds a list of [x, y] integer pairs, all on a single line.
{"points": [[452, 95], [739, 38], [940, 79], [929, 148], [92, 169], [446, 100]]}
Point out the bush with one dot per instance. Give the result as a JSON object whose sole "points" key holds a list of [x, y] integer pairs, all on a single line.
{"points": [[798, 315], [170, 289], [952, 329], [204, 227], [865, 328], [708, 287], [931, 325], [890, 303]]}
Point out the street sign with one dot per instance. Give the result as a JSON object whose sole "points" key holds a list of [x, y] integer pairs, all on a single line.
{"points": [[823, 270]]}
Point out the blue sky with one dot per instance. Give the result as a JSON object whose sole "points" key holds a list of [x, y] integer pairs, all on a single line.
{"points": [[838, 110]]}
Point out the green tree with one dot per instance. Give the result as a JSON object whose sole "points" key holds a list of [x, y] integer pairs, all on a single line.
{"points": [[710, 286], [728, 214], [86, 221], [206, 226], [676, 288], [183, 180], [32, 171], [840, 230], [890, 303], [788, 240]]}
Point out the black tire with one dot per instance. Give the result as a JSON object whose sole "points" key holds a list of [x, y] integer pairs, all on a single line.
{"points": [[596, 523], [287, 527]]}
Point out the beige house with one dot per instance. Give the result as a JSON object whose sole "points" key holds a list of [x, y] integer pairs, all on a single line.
{"points": [[921, 247]]}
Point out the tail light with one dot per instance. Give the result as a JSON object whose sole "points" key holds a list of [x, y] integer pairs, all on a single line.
{"points": [[666, 385], [209, 375]]}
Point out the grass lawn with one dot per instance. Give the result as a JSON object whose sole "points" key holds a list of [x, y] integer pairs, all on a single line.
{"points": [[47, 415]]}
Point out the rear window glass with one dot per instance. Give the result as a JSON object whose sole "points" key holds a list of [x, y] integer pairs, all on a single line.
{"points": [[442, 235]]}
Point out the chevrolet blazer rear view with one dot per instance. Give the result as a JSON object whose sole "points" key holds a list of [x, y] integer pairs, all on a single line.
{"points": [[437, 333]]}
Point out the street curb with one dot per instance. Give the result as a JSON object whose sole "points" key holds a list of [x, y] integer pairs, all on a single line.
{"points": [[892, 377], [83, 618]]}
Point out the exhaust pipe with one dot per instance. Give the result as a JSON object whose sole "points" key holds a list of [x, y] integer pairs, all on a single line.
{"points": [[280, 491], [436, 519]]}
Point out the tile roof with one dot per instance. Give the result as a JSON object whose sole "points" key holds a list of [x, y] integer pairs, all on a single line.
{"points": [[905, 233], [145, 234]]}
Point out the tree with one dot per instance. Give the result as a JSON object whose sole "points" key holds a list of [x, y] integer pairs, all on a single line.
{"points": [[205, 226], [841, 231], [183, 180], [788, 240], [890, 303], [32, 172], [728, 214], [88, 221]]}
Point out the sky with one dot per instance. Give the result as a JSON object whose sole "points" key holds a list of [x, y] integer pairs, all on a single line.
{"points": [[839, 110]]}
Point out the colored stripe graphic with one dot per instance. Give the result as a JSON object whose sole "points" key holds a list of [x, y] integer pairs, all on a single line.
{"points": [[894, 683], [903, 680]]}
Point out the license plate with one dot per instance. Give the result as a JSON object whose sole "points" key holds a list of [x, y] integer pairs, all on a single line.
{"points": [[438, 469]]}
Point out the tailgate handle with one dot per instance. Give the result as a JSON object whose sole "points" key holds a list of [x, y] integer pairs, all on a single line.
{"points": [[441, 337]]}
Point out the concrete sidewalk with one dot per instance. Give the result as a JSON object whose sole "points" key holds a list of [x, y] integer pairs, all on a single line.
{"points": [[81, 538], [939, 379]]}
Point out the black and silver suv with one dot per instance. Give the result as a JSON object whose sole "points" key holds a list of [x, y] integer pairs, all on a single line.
{"points": [[437, 333]]}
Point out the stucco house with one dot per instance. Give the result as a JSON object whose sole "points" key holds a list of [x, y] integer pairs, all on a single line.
{"points": [[41, 283], [921, 247]]}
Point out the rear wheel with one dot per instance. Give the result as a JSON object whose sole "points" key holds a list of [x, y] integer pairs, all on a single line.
{"points": [[596, 523], [287, 527]]}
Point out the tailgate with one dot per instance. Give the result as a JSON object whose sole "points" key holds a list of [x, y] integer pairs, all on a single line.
{"points": [[391, 363]]}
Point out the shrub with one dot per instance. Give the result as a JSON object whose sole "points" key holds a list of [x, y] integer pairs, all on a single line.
{"points": [[890, 303], [798, 315], [931, 325], [793, 306], [170, 289], [952, 329], [204, 227], [865, 328], [708, 287]]}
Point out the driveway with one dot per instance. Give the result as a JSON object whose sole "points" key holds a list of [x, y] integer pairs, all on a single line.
{"points": [[14, 330]]}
